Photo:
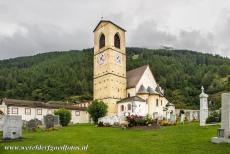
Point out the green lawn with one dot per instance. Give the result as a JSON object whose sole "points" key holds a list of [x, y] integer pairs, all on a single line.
{"points": [[181, 139]]}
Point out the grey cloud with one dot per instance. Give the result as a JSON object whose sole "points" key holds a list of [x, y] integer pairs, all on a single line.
{"points": [[42, 38], [194, 40], [53, 25], [148, 35]]}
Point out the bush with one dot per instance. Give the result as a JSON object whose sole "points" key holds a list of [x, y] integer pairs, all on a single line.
{"points": [[97, 109], [64, 116], [135, 120], [214, 117]]}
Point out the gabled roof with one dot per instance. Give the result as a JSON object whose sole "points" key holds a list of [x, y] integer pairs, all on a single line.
{"points": [[37, 104], [130, 99], [108, 22], [133, 76]]}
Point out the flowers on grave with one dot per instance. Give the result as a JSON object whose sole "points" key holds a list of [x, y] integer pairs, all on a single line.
{"points": [[134, 120]]}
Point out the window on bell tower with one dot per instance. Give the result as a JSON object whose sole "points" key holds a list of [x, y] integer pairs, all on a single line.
{"points": [[117, 41], [102, 41]]}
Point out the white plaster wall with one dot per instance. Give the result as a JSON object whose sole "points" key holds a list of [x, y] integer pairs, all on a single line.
{"points": [[147, 80], [82, 118], [131, 91], [153, 108], [141, 108]]}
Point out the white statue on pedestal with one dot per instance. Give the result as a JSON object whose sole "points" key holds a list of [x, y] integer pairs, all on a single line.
{"points": [[203, 107]]}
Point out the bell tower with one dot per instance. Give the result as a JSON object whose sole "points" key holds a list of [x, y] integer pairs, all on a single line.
{"points": [[109, 84]]}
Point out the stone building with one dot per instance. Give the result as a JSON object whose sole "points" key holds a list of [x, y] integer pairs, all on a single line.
{"points": [[35, 109], [132, 92]]}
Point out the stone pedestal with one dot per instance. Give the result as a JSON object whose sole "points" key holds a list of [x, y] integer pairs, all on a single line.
{"points": [[224, 132], [203, 107]]}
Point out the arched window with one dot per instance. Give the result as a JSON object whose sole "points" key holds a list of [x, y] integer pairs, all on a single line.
{"points": [[129, 106], [117, 41], [122, 108], [102, 41]]}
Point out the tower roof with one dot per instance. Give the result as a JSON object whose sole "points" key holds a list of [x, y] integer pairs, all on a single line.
{"points": [[108, 21]]}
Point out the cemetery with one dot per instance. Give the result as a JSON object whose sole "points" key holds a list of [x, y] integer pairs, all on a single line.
{"points": [[129, 112], [187, 138]]}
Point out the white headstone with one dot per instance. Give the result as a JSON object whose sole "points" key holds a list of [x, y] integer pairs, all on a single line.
{"points": [[203, 107], [191, 116], [182, 118], [225, 114], [224, 132], [12, 128]]}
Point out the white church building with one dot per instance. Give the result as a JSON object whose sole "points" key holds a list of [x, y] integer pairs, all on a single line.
{"points": [[144, 96]]}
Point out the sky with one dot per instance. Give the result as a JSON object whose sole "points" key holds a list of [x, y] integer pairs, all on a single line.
{"points": [[28, 27]]}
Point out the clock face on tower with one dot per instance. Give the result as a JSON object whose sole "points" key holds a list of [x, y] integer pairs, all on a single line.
{"points": [[117, 58], [101, 58]]}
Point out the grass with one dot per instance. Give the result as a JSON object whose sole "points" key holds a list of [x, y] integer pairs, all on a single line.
{"points": [[181, 139]]}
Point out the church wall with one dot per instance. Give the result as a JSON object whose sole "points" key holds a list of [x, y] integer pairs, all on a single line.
{"points": [[112, 106], [140, 109], [131, 92], [152, 105], [147, 80], [143, 96], [109, 86]]}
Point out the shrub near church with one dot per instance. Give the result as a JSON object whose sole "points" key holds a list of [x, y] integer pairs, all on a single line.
{"points": [[97, 109], [64, 115]]}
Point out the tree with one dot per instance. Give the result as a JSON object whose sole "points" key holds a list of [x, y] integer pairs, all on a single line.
{"points": [[64, 116], [97, 109]]}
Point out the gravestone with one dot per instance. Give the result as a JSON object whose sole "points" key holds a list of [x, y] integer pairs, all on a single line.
{"points": [[173, 118], [182, 118], [223, 133], [191, 118], [38, 122], [203, 107], [32, 125], [48, 121], [12, 128], [56, 120]]}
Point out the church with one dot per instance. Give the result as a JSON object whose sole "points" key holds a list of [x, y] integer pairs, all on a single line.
{"points": [[134, 92]]}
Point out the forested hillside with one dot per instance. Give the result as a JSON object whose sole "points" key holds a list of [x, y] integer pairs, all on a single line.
{"points": [[62, 75]]}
